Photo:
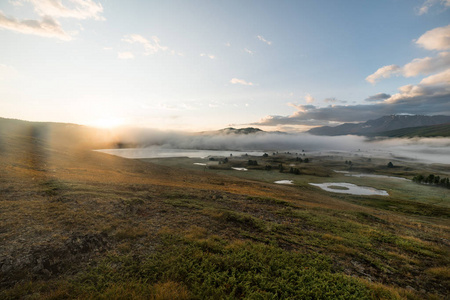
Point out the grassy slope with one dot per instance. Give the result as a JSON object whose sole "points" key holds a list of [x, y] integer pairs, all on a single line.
{"points": [[80, 224], [441, 130]]}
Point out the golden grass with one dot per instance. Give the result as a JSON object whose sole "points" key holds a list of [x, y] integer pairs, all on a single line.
{"points": [[440, 272]]}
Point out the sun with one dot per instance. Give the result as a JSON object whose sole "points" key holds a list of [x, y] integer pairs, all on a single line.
{"points": [[107, 123]]}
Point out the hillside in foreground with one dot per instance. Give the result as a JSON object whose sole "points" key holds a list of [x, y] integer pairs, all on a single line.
{"points": [[82, 224]]}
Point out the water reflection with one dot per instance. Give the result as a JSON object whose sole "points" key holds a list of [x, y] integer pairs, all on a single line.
{"points": [[349, 188]]}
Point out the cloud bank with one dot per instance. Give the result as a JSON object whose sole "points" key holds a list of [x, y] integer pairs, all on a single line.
{"points": [[415, 101], [433, 149]]}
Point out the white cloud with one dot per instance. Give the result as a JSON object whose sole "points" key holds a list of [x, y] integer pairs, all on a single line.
{"points": [[78, 9], [429, 3], [425, 7], [228, 44], [47, 27], [309, 99], [416, 67], [440, 78], [240, 81], [427, 65], [248, 51], [262, 39], [436, 39], [208, 55], [432, 86], [50, 11], [125, 55], [151, 46], [383, 72]]}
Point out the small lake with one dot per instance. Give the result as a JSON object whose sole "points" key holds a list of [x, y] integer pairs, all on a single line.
{"points": [[240, 169], [284, 182], [159, 152], [349, 188]]}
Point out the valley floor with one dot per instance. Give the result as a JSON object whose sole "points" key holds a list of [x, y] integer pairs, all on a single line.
{"points": [[81, 224]]}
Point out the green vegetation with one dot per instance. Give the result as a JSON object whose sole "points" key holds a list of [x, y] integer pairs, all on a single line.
{"points": [[433, 180], [252, 162]]}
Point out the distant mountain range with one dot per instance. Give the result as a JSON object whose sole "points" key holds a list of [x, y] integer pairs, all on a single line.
{"points": [[231, 130], [390, 126]]}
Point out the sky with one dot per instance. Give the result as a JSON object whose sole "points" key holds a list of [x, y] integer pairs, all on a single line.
{"points": [[205, 65]]}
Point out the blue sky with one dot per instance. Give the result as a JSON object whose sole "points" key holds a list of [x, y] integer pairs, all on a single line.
{"points": [[202, 65]]}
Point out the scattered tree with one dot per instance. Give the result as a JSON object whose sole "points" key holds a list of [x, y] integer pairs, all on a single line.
{"points": [[295, 171], [390, 165], [432, 180], [252, 162]]}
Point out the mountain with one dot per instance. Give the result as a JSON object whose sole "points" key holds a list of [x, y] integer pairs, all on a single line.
{"points": [[248, 130], [231, 130], [440, 130], [383, 124]]}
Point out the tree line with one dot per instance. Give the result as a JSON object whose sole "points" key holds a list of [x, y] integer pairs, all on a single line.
{"points": [[433, 180]]}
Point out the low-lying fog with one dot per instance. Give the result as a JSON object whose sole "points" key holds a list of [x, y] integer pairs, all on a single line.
{"points": [[436, 150]]}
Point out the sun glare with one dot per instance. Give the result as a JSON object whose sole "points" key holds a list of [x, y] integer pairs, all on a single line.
{"points": [[107, 123]]}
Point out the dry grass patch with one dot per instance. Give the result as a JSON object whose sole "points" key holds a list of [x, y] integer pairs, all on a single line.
{"points": [[440, 272]]}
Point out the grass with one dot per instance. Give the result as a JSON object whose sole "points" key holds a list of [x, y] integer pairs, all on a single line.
{"points": [[209, 268], [87, 225]]}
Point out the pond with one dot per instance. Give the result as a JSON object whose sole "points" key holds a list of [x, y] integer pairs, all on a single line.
{"points": [[240, 169], [284, 182], [349, 188]]}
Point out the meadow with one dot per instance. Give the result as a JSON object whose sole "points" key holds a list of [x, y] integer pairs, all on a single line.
{"points": [[86, 225]]}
